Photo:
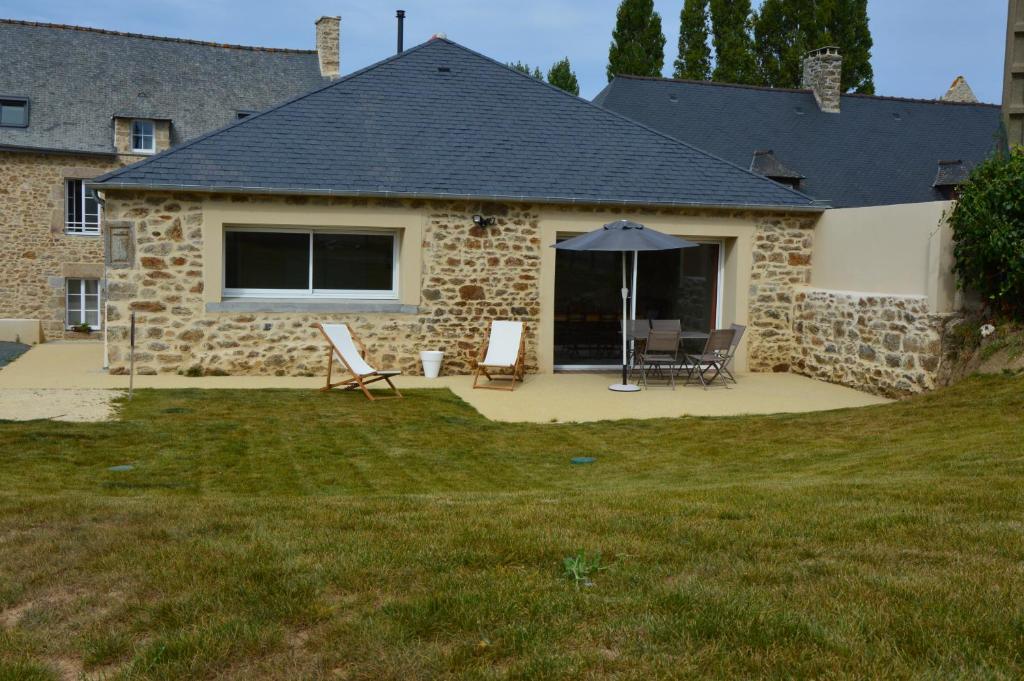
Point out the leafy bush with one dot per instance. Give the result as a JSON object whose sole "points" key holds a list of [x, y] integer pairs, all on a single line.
{"points": [[988, 233]]}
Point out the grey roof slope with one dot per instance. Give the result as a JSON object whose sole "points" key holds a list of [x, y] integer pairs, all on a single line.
{"points": [[877, 151], [442, 121], [78, 78]]}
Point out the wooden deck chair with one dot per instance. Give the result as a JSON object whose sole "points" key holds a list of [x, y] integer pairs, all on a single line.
{"points": [[505, 350], [352, 354]]}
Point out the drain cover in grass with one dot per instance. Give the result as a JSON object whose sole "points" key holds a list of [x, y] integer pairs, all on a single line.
{"points": [[583, 459], [122, 467]]}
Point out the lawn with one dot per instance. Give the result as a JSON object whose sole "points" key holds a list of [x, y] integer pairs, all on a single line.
{"points": [[298, 535]]}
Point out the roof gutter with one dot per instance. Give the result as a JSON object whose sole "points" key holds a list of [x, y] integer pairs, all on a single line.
{"points": [[49, 150], [815, 207]]}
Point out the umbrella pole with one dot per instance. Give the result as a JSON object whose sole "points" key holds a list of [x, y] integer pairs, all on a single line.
{"points": [[625, 386]]}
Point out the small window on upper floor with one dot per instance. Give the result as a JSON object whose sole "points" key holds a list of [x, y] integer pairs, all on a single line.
{"points": [[239, 115], [13, 112], [143, 136]]}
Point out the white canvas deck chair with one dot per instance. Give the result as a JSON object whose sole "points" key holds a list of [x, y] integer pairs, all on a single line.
{"points": [[352, 354], [504, 350]]}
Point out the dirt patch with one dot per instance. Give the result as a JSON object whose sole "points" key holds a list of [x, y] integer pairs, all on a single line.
{"points": [[59, 405]]}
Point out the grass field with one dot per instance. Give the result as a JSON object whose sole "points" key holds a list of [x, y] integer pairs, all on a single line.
{"points": [[294, 535]]}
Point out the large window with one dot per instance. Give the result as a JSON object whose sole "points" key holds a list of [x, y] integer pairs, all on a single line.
{"points": [[143, 136], [83, 302], [285, 263], [82, 210], [13, 112]]}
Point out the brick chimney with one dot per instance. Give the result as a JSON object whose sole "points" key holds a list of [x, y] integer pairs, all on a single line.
{"points": [[823, 73], [328, 46]]}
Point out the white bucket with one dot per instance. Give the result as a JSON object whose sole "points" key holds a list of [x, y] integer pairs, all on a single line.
{"points": [[431, 362]]}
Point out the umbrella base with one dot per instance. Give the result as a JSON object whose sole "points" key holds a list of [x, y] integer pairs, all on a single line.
{"points": [[624, 388]]}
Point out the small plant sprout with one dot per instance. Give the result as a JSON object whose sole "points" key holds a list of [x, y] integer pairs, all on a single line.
{"points": [[579, 568]]}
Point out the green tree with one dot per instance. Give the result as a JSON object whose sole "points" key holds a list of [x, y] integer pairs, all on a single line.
{"points": [[562, 76], [785, 30], [638, 45], [694, 61], [988, 233], [527, 69], [731, 24]]}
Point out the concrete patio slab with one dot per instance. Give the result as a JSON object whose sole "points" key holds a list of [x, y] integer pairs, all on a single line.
{"points": [[542, 398]]}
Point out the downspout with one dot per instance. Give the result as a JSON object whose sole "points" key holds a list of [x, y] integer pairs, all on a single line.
{"points": [[103, 292]]}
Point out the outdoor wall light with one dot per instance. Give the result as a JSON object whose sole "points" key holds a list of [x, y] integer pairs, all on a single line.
{"points": [[481, 221]]}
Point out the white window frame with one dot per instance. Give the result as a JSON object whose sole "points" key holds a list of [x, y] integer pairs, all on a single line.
{"points": [[144, 136], [81, 307], [85, 226], [310, 292]]}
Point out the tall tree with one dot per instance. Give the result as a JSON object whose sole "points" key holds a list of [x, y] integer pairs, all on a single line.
{"points": [[527, 69], [785, 30], [638, 45], [694, 61], [731, 24], [562, 76]]}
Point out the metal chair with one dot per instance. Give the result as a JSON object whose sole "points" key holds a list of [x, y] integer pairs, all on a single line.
{"points": [[660, 355], [739, 329], [637, 331], [715, 356]]}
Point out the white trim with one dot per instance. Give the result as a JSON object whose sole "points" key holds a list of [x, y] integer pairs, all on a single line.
{"points": [[310, 292]]}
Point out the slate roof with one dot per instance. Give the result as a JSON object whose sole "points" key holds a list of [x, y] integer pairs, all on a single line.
{"points": [[442, 121], [876, 151], [78, 78]]}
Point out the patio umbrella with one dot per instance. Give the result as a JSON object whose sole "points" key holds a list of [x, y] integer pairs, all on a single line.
{"points": [[625, 237]]}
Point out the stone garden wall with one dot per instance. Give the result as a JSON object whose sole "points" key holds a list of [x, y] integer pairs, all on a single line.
{"points": [[889, 345]]}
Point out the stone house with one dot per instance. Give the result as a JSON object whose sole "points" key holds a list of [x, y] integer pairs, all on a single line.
{"points": [[77, 102], [419, 198]]}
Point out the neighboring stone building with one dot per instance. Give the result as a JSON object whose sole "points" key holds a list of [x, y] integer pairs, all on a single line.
{"points": [[77, 102], [1013, 83]]}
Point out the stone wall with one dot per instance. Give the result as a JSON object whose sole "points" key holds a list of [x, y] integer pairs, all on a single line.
{"points": [[35, 254], [470, 275], [889, 345], [782, 263]]}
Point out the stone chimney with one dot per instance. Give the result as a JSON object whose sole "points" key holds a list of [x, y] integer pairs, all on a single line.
{"points": [[960, 91], [328, 46], [823, 73]]}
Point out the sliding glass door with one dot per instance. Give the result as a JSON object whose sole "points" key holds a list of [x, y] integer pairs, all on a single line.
{"points": [[681, 285]]}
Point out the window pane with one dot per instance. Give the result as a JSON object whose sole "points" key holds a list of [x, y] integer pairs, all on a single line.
{"points": [[74, 287], [92, 286], [272, 260], [74, 189], [13, 113], [353, 261], [92, 318]]}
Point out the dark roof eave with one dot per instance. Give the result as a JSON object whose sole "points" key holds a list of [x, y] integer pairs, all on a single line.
{"points": [[522, 198], [54, 150]]}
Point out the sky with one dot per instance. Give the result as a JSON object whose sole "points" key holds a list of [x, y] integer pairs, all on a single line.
{"points": [[920, 46]]}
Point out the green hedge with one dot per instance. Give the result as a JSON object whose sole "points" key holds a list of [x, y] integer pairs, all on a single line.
{"points": [[988, 231]]}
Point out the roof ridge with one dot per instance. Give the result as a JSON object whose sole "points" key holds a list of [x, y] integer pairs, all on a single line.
{"points": [[767, 88], [124, 34], [918, 100], [119, 171], [690, 81], [630, 120]]}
